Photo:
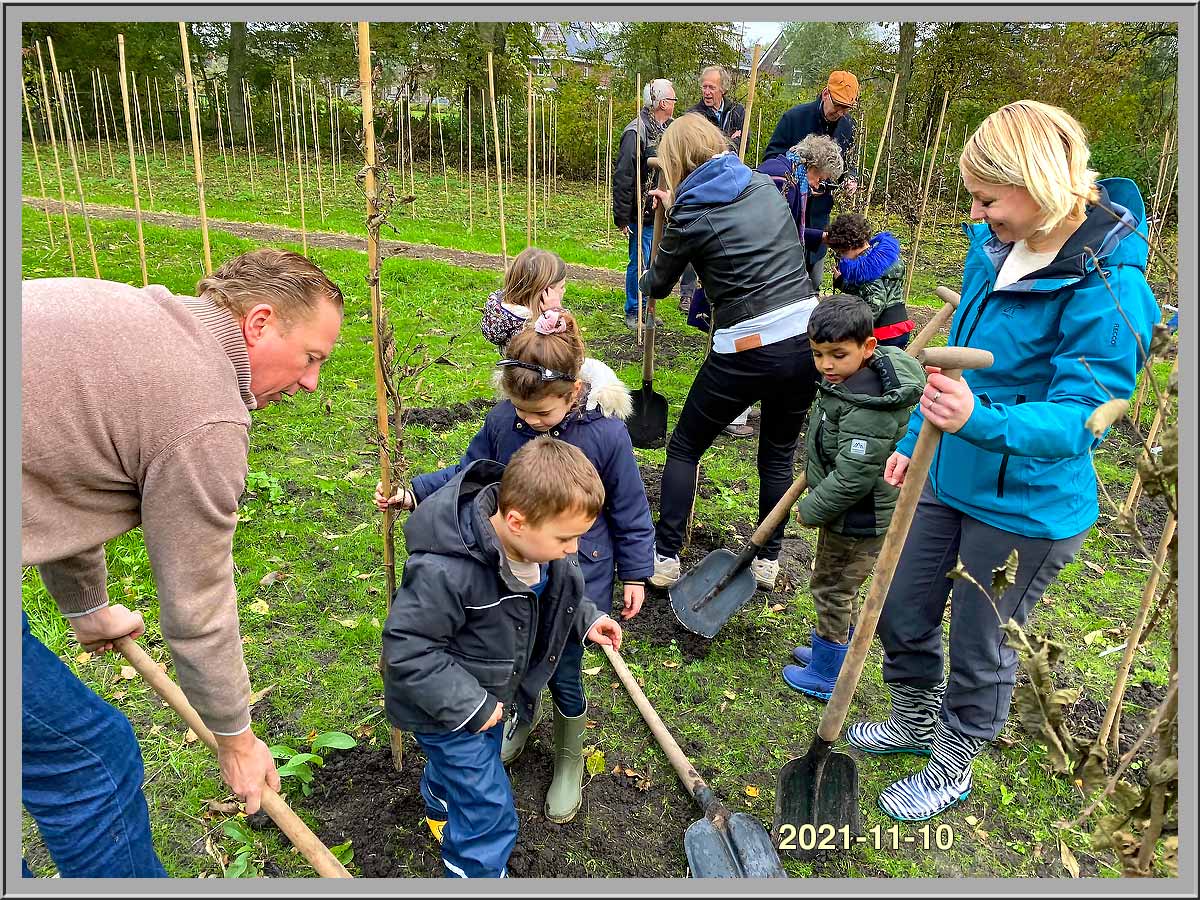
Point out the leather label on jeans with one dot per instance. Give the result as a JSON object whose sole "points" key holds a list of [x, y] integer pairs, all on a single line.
{"points": [[749, 342]]}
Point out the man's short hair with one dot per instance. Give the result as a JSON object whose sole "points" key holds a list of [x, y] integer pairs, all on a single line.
{"points": [[655, 91], [841, 318], [547, 478], [720, 70], [288, 281]]}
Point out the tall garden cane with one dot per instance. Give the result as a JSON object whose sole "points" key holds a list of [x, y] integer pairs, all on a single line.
{"points": [[197, 158], [137, 200]]}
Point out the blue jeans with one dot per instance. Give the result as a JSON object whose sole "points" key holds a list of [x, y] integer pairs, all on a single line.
{"points": [[465, 785], [631, 286], [81, 773], [566, 684]]}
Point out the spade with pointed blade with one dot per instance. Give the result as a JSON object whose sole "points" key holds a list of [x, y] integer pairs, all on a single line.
{"points": [[647, 422]]}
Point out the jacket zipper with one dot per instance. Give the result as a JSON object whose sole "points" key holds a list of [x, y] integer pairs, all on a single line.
{"points": [[1004, 459]]}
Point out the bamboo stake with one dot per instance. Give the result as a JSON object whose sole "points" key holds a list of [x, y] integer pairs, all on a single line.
{"points": [[220, 129], [499, 164], [197, 159], [96, 116], [44, 100], [312, 105], [137, 200], [283, 139], [62, 194], [507, 142], [332, 154], [553, 148], [758, 137], [253, 142], [429, 131], [179, 118], [337, 117], [470, 167], [37, 162], [487, 163], [150, 116], [304, 126], [547, 123], [529, 160], [141, 132], [925, 198], [299, 162], [250, 154], [381, 406], [412, 156], [884, 135], [958, 181], [749, 101], [229, 125], [637, 199], [111, 120], [608, 167], [161, 128], [445, 176], [597, 151], [537, 162], [62, 99], [73, 96], [924, 157]]}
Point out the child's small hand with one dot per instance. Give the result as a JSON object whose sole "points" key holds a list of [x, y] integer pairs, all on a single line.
{"points": [[497, 716], [403, 498], [605, 631], [635, 596]]}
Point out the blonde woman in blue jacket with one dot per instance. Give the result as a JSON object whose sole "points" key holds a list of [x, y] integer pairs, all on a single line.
{"points": [[1054, 253]]}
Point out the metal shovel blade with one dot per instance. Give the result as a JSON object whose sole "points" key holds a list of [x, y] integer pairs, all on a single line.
{"points": [[742, 850], [706, 618], [819, 789], [647, 423]]}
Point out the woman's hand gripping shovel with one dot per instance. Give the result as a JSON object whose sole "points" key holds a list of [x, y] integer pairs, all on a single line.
{"points": [[301, 836], [816, 797], [722, 844], [647, 423]]}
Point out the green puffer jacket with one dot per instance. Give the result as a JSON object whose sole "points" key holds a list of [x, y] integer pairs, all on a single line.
{"points": [[852, 430]]}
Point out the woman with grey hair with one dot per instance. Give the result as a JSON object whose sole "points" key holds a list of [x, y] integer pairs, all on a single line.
{"points": [[808, 168]]}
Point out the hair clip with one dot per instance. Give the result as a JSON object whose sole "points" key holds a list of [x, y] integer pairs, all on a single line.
{"points": [[544, 373]]}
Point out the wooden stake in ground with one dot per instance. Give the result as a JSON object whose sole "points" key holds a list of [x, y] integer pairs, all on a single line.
{"points": [[749, 101], [137, 200], [912, 266], [299, 164], [637, 199], [958, 180], [507, 142], [283, 139], [110, 121], [499, 164], [62, 99], [608, 164], [150, 116], [332, 153], [251, 140], [73, 97], [487, 162], [924, 158], [597, 150], [96, 112], [229, 124], [412, 156], [197, 159], [381, 407], [303, 108], [445, 176], [161, 127], [883, 138], [529, 160], [179, 117], [534, 139], [38, 163], [141, 133], [470, 167], [316, 134], [220, 129], [62, 194]]}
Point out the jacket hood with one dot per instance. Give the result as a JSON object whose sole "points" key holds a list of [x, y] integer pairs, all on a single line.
{"points": [[872, 263], [720, 180], [452, 521], [1107, 232], [890, 380]]}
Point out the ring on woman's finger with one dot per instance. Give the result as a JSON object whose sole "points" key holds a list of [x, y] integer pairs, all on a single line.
{"points": [[935, 398]]}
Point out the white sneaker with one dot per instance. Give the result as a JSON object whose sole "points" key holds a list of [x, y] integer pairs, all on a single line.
{"points": [[666, 571], [766, 571]]}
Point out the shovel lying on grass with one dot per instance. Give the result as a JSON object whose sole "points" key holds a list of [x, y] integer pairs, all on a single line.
{"points": [[647, 423], [707, 597], [816, 797], [302, 838], [722, 844]]}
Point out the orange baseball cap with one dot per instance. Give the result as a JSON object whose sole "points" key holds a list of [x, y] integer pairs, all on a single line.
{"points": [[843, 88]]}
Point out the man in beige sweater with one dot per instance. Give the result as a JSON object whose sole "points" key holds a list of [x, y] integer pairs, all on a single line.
{"points": [[135, 411]]}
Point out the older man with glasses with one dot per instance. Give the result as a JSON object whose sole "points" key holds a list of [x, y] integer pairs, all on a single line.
{"points": [[828, 115]]}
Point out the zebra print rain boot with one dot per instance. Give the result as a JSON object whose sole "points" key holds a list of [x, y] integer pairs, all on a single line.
{"points": [[945, 780], [909, 729]]}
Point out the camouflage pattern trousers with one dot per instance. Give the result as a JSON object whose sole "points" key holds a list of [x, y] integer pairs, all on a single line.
{"points": [[842, 565]]}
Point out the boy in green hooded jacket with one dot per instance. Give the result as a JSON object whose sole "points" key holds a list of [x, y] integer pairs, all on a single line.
{"points": [[862, 409]]}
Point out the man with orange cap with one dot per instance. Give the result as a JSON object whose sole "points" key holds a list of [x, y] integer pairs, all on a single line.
{"points": [[829, 115]]}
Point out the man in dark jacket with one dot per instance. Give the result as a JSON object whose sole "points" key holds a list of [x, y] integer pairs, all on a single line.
{"points": [[652, 120], [829, 114], [491, 594]]}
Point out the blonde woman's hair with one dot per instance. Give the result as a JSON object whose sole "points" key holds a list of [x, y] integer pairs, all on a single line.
{"points": [[690, 142], [532, 272], [285, 279], [821, 153], [1038, 147]]}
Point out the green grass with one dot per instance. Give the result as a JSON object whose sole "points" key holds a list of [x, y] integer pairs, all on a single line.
{"points": [[315, 632]]}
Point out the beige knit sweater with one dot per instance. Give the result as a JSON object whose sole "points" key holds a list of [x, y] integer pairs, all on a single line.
{"points": [[134, 411]]}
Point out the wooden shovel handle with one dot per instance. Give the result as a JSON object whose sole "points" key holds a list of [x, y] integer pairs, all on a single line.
{"points": [[651, 304], [683, 767], [325, 863], [934, 325], [889, 555], [780, 511]]}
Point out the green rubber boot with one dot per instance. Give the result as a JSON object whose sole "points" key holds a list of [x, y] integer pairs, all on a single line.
{"points": [[516, 733], [566, 790]]}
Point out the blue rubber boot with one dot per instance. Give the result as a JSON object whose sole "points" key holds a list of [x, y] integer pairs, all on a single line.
{"points": [[818, 678], [803, 655]]}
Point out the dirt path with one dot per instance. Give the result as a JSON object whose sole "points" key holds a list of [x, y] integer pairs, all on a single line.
{"points": [[330, 240]]}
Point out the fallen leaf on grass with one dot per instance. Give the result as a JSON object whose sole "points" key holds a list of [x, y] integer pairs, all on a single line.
{"points": [[269, 579], [225, 809], [751, 791], [258, 695], [128, 673], [1092, 636], [347, 623], [83, 658], [730, 695], [724, 703], [1099, 570], [375, 623], [260, 606], [670, 664], [591, 723], [643, 784], [630, 773], [777, 607], [363, 576], [595, 670], [1070, 863], [595, 763], [191, 737]]}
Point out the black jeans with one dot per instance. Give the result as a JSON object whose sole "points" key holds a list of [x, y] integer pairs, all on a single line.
{"points": [[783, 378], [983, 667]]}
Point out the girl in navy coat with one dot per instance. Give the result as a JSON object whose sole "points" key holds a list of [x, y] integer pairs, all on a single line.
{"points": [[550, 390]]}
